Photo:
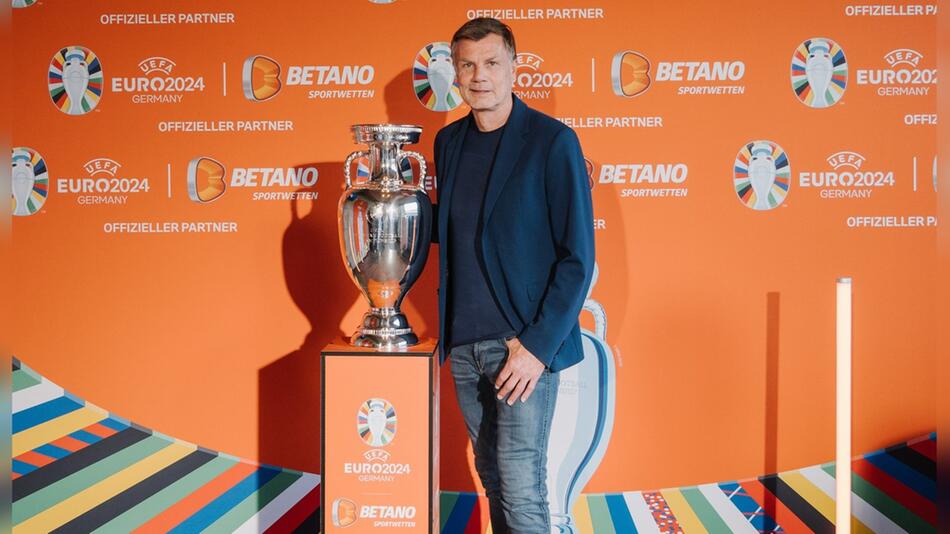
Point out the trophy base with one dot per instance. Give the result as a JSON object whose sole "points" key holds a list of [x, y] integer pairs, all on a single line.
{"points": [[384, 329]]}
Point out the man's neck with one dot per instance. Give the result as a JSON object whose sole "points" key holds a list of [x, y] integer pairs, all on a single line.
{"points": [[492, 119]]}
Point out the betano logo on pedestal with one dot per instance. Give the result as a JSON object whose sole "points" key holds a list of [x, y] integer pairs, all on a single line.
{"points": [[75, 80], [819, 72], [208, 180], [261, 79], [30, 181], [631, 75], [433, 78], [761, 175], [847, 179], [902, 77]]}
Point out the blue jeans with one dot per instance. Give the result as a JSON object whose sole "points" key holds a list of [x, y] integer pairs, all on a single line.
{"points": [[510, 442]]}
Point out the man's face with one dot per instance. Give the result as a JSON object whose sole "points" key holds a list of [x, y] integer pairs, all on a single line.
{"points": [[485, 71]]}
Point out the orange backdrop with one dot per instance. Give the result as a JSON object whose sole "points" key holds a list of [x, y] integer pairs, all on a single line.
{"points": [[720, 316]]}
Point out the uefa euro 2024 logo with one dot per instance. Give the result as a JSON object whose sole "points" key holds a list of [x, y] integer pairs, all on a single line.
{"points": [[433, 78], [75, 80], [761, 175], [819, 72], [30, 181], [376, 422]]}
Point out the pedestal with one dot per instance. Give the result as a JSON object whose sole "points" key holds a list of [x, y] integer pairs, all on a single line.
{"points": [[380, 439]]}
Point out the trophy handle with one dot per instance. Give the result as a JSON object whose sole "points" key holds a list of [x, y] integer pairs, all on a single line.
{"points": [[422, 166], [349, 162]]}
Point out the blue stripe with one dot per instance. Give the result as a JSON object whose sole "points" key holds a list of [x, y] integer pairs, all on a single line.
{"points": [[904, 474], [619, 513], [83, 435], [460, 513], [22, 468], [52, 451], [42, 413], [213, 511], [113, 423]]}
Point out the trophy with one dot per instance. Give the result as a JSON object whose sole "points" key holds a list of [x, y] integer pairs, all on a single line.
{"points": [[385, 225]]}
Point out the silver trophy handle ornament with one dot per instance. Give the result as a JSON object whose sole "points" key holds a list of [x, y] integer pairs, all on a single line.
{"points": [[385, 225], [422, 166], [349, 163]]}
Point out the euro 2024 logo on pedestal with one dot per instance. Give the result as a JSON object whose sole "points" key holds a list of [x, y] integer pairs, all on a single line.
{"points": [[30, 181], [433, 78], [75, 80], [761, 175], [819, 73], [376, 422]]}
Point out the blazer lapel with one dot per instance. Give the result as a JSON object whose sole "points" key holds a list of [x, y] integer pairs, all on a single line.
{"points": [[452, 151], [509, 149]]}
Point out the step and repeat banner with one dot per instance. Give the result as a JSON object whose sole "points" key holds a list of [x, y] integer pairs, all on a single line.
{"points": [[176, 169]]}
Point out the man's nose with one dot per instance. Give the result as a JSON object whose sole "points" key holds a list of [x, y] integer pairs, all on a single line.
{"points": [[479, 73]]}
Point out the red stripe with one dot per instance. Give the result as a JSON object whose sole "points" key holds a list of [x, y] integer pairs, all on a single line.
{"points": [[774, 508], [100, 430], [927, 447], [913, 501], [479, 520], [35, 459], [69, 443], [296, 515]]}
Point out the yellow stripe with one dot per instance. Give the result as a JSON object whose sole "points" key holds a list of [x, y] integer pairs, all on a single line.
{"points": [[683, 512], [582, 516], [818, 498], [94, 495], [53, 429], [811, 493]]}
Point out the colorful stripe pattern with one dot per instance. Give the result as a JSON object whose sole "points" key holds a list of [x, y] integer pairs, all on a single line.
{"points": [[78, 468]]}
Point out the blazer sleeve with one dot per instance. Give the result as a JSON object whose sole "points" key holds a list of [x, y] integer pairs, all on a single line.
{"points": [[570, 216]]}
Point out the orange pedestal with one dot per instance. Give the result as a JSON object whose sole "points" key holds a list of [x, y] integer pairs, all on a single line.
{"points": [[380, 439]]}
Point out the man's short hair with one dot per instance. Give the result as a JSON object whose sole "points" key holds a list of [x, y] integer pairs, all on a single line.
{"points": [[478, 28]]}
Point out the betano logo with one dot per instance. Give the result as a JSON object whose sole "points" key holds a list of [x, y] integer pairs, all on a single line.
{"points": [[647, 179], [848, 177], [903, 77], [532, 83], [630, 74], [761, 175], [819, 72], [30, 181], [261, 79], [343, 512], [208, 180], [75, 80], [156, 85], [433, 78]]}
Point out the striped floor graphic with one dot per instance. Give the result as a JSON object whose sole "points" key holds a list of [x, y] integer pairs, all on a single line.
{"points": [[79, 468]]}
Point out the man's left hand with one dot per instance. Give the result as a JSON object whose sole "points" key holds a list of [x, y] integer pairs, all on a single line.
{"points": [[520, 374]]}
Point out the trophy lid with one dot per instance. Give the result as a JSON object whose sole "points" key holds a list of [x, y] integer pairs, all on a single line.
{"points": [[386, 133]]}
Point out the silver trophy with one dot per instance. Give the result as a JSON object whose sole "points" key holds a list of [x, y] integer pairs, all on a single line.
{"points": [[385, 222]]}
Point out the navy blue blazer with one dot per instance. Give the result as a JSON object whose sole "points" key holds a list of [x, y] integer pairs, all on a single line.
{"points": [[538, 233]]}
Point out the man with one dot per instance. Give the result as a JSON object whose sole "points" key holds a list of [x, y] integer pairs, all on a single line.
{"points": [[517, 253]]}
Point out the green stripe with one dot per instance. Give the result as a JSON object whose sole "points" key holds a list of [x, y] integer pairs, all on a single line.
{"points": [[142, 512], [252, 504], [705, 511], [62, 489], [23, 380], [447, 502], [894, 510], [600, 514]]}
